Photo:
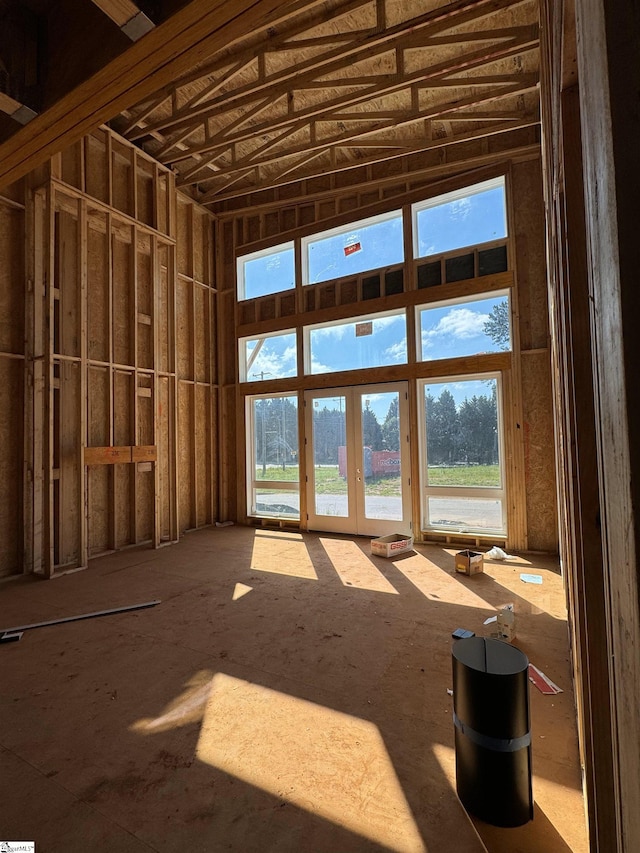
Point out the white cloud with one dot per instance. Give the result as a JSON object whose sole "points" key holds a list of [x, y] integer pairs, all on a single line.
{"points": [[319, 367], [273, 364], [458, 323], [336, 332], [461, 208], [397, 352]]}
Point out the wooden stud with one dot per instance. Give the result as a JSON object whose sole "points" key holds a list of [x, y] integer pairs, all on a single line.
{"points": [[83, 549]]}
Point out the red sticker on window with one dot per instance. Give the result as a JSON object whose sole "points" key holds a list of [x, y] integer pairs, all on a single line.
{"points": [[353, 247]]}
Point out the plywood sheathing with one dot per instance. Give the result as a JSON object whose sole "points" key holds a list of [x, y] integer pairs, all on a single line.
{"points": [[535, 364]]}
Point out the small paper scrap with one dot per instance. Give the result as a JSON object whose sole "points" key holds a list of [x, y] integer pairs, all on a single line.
{"points": [[490, 620], [531, 578], [496, 553], [542, 682], [449, 691]]}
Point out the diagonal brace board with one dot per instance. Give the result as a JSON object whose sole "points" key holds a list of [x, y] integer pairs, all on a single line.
{"points": [[8, 634]]}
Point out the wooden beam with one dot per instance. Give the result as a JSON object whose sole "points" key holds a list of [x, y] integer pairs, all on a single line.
{"points": [[224, 193], [120, 11], [133, 23], [15, 110], [106, 455], [118, 455], [200, 29]]}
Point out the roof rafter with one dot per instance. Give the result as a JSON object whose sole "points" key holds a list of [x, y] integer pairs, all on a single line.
{"points": [[361, 47], [349, 138], [430, 75], [221, 194]]}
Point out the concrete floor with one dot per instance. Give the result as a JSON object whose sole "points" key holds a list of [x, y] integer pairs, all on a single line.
{"points": [[288, 694]]}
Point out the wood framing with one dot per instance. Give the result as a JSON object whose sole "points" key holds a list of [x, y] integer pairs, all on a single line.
{"points": [[326, 93], [199, 29], [108, 355]]}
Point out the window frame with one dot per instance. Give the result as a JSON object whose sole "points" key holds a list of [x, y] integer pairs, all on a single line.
{"points": [[486, 492], [462, 300], [305, 243], [242, 360], [346, 321], [241, 260], [253, 482], [457, 195]]}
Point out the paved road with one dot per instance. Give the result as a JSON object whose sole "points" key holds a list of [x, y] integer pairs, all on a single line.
{"points": [[446, 513]]}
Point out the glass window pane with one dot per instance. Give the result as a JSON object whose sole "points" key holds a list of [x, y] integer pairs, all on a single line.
{"points": [[265, 272], [466, 217], [381, 462], [366, 245], [463, 447], [465, 514], [276, 502], [371, 341], [330, 456], [270, 357], [457, 329], [273, 456]]}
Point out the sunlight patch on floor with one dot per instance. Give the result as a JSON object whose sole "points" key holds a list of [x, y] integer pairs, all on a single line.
{"points": [[187, 708], [282, 554], [239, 590], [354, 568], [445, 756], [556, 801], [437, 584], [329, 763]]}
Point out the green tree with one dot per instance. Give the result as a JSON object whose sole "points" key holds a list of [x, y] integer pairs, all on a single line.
{"points": [[371, 430], [478, 443], [442, 429], [391, 427], [497, 326]]}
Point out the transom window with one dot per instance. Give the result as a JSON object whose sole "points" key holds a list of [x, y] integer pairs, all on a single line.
{"points": [[268, 357], [466, 217], [265, 272], [461, 327], [351, 249], [375, 340]]}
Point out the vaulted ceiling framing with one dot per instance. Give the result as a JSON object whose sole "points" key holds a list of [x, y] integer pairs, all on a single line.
{"points": [[337, 85]]}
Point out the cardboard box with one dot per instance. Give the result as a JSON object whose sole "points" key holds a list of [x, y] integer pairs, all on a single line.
{"points": [[389, 546], [507, 623], [469, 562]]}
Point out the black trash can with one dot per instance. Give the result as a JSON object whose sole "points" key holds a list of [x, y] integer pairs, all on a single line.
{"points": [[492, 731]]}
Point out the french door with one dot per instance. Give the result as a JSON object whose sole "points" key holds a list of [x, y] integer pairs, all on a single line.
{"points": [[358, 461]]}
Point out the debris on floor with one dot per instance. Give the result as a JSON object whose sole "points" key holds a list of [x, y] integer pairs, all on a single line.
{"points": [[531, 578], [462, 634], [496, 553], [8, 635], [542, 682], [469, 562]]}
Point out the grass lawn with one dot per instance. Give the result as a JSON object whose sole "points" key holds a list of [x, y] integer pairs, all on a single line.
{"points": [[329, 482], [471, 475]]}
